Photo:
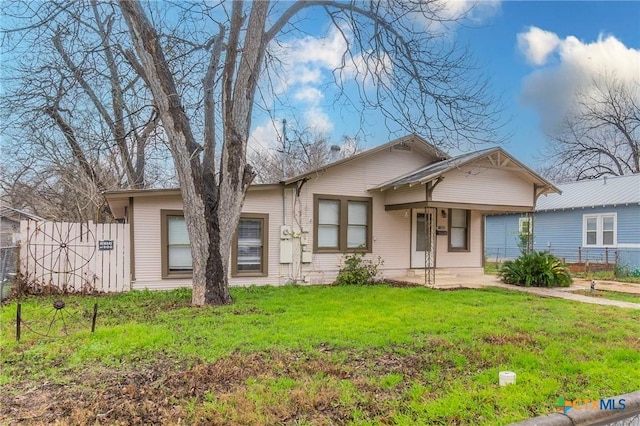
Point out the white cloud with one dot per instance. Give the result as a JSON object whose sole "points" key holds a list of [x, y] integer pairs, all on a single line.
{"points": [[318, 120], [537, 44], [308, 94], [324, 52], [366, 65], [451, 13], [306, 60], [475, 10], [264, 137], [551, 88]]}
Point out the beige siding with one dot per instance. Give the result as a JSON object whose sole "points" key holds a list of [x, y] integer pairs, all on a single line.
{"points": [[370, 171], [391, 229], [406, 194], [148, 262], [484, 186], [470, 259], [266, 202]]}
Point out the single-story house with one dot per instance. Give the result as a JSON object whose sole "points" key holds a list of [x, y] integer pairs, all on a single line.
{"points": [[406, 201], [596, 220]]}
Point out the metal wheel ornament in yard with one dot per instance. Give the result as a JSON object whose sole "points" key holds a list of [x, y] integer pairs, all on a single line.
{"points": [[61, 254], [59, 321]]}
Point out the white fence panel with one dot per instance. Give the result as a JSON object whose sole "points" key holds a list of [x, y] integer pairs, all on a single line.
{"points": [[76, 257]]}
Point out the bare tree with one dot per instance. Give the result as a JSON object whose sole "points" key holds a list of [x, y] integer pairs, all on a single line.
{"points": [[419, 79], [601, 136], [301, 152], [73, 96]]}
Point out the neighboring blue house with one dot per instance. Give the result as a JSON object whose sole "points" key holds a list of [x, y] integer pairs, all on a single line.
{"points": [[596, 220]]}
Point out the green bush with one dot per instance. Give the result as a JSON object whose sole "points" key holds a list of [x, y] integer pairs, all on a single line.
{"points": [[537, 269], [356, 270]]}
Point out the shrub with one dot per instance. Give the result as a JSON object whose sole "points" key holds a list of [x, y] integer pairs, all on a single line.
{"points": [[537, 269], [356, 270]]}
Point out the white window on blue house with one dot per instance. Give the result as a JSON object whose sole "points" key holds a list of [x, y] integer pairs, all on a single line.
{"points": [[524, 225], [599, 230]]}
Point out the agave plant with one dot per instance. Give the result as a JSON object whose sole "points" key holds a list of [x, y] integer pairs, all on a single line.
{"points": [[537, 269]]}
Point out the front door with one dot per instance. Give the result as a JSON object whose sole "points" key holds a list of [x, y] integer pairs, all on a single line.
{"points": [[422, 238]]}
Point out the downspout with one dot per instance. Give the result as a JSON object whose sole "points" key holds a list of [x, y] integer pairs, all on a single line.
{"points": [[284, 223], [132, 243], [296, 194], [284, 205]]}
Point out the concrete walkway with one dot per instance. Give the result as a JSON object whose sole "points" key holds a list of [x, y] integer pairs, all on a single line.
{"points": [[449, 282]]}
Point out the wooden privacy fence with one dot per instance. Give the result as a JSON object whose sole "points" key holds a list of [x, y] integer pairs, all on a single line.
{"points": [[76, 257]]}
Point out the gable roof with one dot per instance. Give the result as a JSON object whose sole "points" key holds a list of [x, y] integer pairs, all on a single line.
{"points": [[419, 142], [607, 191], [435, 170]]}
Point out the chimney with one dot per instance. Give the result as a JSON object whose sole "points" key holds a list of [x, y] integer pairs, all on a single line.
{"points": [[334, 155]]}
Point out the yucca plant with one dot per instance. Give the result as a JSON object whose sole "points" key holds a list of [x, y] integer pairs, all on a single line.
{"points": [[536, 269]]}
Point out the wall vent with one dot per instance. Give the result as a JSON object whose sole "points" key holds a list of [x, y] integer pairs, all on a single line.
{"points": [[402, 146]]}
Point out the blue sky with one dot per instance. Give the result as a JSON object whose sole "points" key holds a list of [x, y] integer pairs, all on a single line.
{"points": [[536, 54]]}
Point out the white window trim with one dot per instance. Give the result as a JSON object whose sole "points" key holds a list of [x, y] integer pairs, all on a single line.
{"points": [[521, 221], [599, 230]]}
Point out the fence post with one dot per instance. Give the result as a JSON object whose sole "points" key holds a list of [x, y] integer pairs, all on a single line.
{"points": [[579, 254], [18, 320], [93, 319], [606, 256]]}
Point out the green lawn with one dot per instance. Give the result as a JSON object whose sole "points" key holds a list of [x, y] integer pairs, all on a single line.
{"points": [[315, 355]]}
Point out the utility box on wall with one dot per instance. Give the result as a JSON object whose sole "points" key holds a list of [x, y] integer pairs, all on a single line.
{"points": [[285, 232], [286, 251], [306, 257]]}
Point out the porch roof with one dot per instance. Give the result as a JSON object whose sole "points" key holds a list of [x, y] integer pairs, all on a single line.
{"points": [[497, 156]]}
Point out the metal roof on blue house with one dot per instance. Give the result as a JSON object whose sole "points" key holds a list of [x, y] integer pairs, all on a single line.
{"points": [[607, 191]]}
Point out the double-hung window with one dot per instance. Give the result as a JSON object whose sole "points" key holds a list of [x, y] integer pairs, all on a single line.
{"points": [[328, 229], [599, 230], [459, 230], [342, 224], [176, 249], [249, 253], [357, 219]]}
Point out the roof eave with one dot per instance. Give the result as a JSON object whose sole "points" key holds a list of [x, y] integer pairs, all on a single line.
{"points": [[127, 193], [436, 175]]}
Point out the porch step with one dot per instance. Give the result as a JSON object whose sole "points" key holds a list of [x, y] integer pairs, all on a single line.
{"points": [[440, 273]]}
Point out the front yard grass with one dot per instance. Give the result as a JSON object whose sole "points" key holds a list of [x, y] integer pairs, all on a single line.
{"points": [[315, 355]]}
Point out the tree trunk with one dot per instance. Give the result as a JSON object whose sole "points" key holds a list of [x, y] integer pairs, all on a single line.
{"points": [[209, 236]]}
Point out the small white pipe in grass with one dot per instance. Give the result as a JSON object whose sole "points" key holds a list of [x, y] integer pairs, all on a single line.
{"points": [[507, 378]]}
